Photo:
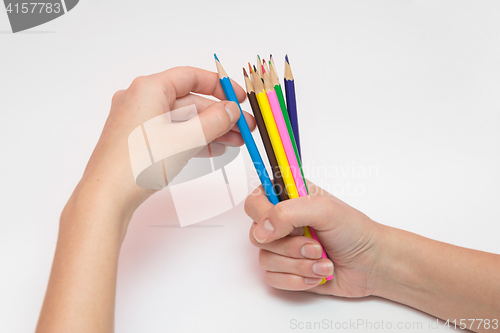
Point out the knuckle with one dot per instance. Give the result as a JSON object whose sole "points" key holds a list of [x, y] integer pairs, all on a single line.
{"points": [[140, 83], [305, 267], [116, 96], [248, 205], [263, 256], [291, 248], [270, 279], [282, 211], [252, 238], [275, 280], [322, 203], [222, 119]]}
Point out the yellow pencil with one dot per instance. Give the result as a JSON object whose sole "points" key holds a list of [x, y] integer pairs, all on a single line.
{"points": [[274, 137]]}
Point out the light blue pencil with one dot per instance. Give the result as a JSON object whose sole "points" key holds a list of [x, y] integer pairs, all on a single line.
{"points": [[247, 136]]}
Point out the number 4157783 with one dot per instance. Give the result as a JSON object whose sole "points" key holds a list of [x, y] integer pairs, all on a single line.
{"points": [[463, 324], [34, 7]]}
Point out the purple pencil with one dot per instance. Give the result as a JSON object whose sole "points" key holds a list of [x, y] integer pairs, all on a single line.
{"points": [[291, 103]]}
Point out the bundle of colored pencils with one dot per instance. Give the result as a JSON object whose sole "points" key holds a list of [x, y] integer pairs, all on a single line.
{"points": [[278, 128]]}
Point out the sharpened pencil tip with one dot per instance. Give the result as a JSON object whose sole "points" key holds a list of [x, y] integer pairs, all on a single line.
{"points": [[286, 58], [250, 68], [245, 72], [215, 55], [254, 68]]}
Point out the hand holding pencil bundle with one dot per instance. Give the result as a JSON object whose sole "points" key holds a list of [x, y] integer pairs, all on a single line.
{"points": [[278, 132]]}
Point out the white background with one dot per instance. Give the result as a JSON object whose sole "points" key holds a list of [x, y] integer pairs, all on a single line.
{"points": [[409, 88]]}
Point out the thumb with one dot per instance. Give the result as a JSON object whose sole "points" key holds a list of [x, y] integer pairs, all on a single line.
{"points": [[282, 219], [218, 119]]}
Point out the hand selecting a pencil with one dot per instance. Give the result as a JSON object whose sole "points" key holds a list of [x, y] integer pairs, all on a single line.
{"points": [[94, 222], [146, 98]]}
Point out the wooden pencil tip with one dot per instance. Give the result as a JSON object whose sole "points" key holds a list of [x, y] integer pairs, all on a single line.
{"points": [[286, 59], [215, 55], [270, 57], [245, 72]]}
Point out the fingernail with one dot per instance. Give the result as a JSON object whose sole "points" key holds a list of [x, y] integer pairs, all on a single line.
{"points": [[312, 280], [229, 111], [323, 268], [263, 231], [311, 251]]}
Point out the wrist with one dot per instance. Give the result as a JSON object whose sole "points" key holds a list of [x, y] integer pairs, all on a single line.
{"points": [[394, 273], [93, 207], [113, 190]]}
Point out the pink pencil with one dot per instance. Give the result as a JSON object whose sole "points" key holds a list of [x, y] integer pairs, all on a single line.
{"points": [[287, 145], [285, 139]]}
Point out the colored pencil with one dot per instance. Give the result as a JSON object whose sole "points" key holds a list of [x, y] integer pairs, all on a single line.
{"points": [[259, 67], [274, 137], [279, 184], [279, 93], [287, 145], [283, 133], [291, 102], [284, 112], [247, 135], [271, 60]]}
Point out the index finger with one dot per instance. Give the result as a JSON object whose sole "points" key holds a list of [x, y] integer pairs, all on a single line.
{"points": [[180, 81]]}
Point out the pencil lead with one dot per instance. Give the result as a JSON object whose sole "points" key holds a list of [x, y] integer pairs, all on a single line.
{"points": [[250, 68], [245, 72], [255, 69], [258, 65], [270, 57], [215, 55], [286, 59]]}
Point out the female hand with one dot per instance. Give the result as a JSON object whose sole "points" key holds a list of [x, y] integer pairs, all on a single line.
{"points": [[109, 168], [81, 291], [293, 261], [367, 258]]}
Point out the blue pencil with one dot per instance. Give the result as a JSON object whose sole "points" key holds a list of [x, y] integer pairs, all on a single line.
{"points": [[291, 103], [247, 136]]}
